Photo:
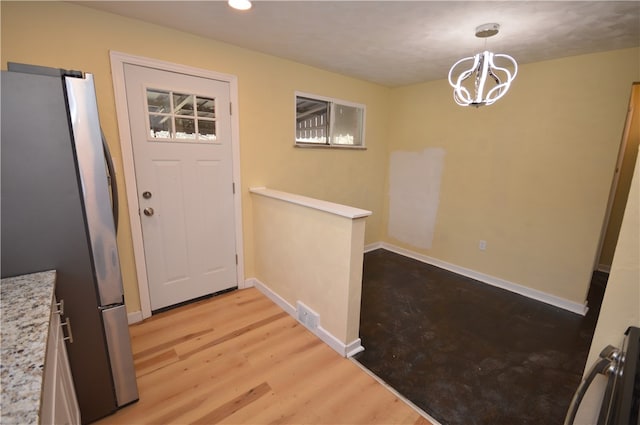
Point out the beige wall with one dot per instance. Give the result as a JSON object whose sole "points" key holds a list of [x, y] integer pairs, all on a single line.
{"points": [[529, 174], [75, 37], [621, 303]]}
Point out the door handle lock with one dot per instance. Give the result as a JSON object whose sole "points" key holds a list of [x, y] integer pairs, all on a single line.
{"points": [[148, 211]]}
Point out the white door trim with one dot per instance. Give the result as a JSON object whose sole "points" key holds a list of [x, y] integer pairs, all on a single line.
{"points": [[616, 177], [118, 61]]}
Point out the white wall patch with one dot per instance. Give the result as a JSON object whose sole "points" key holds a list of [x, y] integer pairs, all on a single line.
{"points": [[414, 195]]}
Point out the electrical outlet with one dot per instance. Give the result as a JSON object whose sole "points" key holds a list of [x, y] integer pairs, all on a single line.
{"points": [[482, 245]]}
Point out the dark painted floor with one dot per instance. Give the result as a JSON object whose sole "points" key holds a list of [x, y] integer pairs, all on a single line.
{"points": [[468, 353]]}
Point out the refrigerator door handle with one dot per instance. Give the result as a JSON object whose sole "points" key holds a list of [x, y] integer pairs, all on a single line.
{"points": [[112, 180]]}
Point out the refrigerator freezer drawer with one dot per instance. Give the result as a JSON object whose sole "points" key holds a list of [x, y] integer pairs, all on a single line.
{"points": [[119, 345]]}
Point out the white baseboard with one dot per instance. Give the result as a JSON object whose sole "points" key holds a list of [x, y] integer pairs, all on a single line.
{"points": [[373, 246], [491, 280], [277, 299], [354, 348], [604, 268], [345, 350], [134, 317], [248, 283]]}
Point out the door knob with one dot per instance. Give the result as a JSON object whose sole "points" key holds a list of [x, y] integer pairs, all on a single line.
{"points": [[148, 211]]}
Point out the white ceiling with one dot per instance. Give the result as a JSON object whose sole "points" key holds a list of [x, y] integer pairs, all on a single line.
{"points": [[398, 42]]}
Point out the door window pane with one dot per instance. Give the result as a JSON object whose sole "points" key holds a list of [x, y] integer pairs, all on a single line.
{"points": [[206, 107], [185, 128], [172, 117], [183, 104], [160, 126], [158, 101], [207, 130]]}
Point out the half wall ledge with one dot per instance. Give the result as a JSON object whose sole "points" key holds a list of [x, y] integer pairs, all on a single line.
{"points": [[308, 259], [330, 207]]}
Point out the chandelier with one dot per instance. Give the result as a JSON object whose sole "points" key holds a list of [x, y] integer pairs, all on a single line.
{"points": [[481, 81]]}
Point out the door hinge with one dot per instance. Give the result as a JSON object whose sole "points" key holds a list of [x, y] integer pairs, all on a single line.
{"points": [[230, 108], [236, 259], [233, 188]]}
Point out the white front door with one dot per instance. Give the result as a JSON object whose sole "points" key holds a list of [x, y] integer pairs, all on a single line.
{"points": [[181, 137]]}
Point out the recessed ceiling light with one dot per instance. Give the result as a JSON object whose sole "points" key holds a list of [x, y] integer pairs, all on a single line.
{"points": [[240, 4]]}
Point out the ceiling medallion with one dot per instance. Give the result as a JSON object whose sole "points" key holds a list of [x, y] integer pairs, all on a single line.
{"points": [[490, 81]]}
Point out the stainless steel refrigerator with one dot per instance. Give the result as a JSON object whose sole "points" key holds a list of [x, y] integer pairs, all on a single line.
{"points": [[57, 212]]}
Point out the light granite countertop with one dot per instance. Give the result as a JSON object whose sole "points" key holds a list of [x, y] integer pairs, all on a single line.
{"points": [[25, 307]]}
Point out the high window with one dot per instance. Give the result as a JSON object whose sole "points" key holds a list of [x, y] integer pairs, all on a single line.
{"points": [[326, 122]]}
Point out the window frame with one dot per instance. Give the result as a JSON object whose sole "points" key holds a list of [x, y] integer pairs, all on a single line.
{"points": [[197, 139], [332, 102]]}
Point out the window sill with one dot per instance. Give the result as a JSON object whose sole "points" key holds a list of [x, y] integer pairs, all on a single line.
{"points": [[346, 147]]}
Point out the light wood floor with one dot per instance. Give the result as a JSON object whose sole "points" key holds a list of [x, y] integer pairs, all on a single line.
{"points": [[239, 359]]}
